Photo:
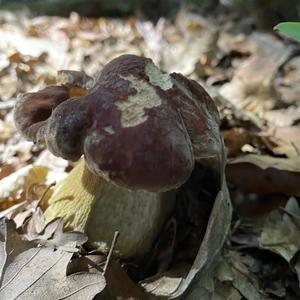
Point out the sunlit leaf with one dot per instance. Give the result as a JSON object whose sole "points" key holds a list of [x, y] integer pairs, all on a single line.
{"points": [[290, 29]]}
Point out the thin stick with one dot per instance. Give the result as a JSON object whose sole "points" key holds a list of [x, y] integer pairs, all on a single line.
{"points": [[45, 192], [113, 244], [295, 148]]}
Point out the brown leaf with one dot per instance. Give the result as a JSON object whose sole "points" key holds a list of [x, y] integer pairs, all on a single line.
{"points": [[35, 225], [232, 270], [21, 180], [21, 215], [40, 273], [6, 170], [13, 210], [282, 117], [251, 87], [237, 137], [238, 43], [166, 283], [234, 139], [280, 233], [287, 84], [263, 174], [288, 141], [61, 239], [264, 162], [194, 46], [87, 263], [120, 286]]}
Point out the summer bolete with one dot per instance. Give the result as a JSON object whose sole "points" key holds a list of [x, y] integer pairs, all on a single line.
{"points": [[140, 132]]}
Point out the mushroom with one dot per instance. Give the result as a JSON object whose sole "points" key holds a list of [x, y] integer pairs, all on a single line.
{"points": [[139, 131]]}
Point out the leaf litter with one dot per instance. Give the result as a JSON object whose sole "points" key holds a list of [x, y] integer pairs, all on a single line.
{"points": [[254, 80], [29, 269]]}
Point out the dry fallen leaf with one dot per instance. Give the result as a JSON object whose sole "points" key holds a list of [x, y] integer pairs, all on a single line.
{"points": [[251, 86], [236, 138], [168, 282], [280, 234], [287, 84], [29, 269], [120, 286], [194, 46], [233, 271], [12, 185], [264, 162], [262, 174], [61, 239], [288, 141], [255, 76]]}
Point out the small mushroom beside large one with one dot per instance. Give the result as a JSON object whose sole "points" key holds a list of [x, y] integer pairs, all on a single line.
{"points": [[140, 132]]}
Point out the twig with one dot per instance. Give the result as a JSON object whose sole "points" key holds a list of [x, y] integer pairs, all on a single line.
{"points": [[290, 214], [113, 244], [45, 192], [295, 148]]}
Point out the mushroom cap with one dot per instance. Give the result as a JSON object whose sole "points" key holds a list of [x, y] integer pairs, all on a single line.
{"points": [[138, 127]]}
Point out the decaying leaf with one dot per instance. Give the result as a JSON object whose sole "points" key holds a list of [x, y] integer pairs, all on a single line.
{"points": [[29, 269], [168, 282], [288, 141], [281, 233], [265, 162], [52, 234], [120, 286], [233, 271], [25, 190], [36, 224], [195, 45], [15, 209], [251, 85], [225, 291], [62, 240], [284, 117], [287, 85], [250, 73], [264, 174], [237, 138], [21, 180]]}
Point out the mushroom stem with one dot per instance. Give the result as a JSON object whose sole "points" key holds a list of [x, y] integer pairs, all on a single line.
{"points": [[74, 197], [90, 204]]}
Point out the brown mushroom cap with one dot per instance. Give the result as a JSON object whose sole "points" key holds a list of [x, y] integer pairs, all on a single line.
{"points": [[137, 126]]}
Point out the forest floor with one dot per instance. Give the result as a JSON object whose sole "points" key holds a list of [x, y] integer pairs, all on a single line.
{"points": [[254, 78]]}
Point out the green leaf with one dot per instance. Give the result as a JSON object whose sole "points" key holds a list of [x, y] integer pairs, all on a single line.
{"points": [[290, 29]]}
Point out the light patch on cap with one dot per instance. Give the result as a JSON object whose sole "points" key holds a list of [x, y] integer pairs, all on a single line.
{"points": [[133, 108], [157, 78], [109, 130]]}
